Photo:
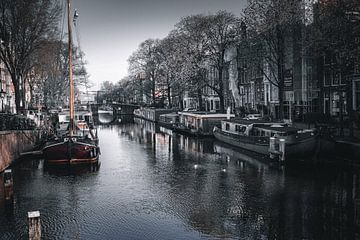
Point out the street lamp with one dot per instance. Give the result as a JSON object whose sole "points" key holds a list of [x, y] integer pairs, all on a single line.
{"points": [[2, 96]]}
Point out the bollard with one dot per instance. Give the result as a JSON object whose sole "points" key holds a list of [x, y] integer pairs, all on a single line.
{"points": [[282, 149], [8, 184], [272, 147], [34, 225]]}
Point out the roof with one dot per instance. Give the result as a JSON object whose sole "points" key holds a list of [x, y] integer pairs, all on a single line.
{"points": [[251, 121], [205, 114], [278, 128], [170, 115]]}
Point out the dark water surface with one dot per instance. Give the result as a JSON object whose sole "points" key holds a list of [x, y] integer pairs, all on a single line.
{"points": [[159, 186]]}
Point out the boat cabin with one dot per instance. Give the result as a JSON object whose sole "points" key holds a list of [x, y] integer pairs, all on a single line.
{"points": [[169, 118], [80, 117], [254, 127], [264, 129], [151, 114], [202, 121]]}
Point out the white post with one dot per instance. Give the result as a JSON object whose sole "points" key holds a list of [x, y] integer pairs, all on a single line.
{"points": [[272, 147], [34, 225], [8, 184], [282, 149]]}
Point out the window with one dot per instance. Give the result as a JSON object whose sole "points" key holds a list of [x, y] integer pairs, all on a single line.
{"points": [[239, 128], [227, 126], [336, 78], [327, 77], [217, 105]]}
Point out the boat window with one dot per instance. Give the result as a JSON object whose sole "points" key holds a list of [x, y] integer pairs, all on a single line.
{"points": [[239, 128], [256, 132], [227, 126], [81, 117]]}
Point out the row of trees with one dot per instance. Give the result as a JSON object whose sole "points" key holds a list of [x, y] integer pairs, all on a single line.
{"points": [[165, 68], [33, 51]]}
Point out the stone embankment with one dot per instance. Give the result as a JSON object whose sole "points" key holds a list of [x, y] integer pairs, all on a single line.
{"points": [[15, 142]]}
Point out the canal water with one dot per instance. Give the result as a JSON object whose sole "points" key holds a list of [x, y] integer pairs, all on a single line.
{"points": [[154, 184]]}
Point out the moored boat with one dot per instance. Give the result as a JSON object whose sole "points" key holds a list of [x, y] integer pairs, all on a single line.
{"points": [[254, 135], [71, 150], [151, 114], [76, 143], [168, 120], [199, 124]]}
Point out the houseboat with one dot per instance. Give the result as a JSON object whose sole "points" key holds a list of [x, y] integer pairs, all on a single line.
{"points": [[200, 124], [254, 135], [151, 114], [168, 120]]}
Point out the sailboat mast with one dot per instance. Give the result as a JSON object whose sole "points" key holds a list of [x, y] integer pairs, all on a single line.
{"points": [[71, 100]]}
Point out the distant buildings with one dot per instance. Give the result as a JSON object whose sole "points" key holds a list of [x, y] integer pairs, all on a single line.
{"points": [[313, 79], [7, 95]]}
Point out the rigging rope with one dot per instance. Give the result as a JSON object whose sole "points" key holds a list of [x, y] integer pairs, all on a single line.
{"points": [[78, 40]]}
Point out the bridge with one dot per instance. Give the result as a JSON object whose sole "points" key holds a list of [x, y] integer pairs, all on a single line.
{"points": [[118, 108], [121, 112]]}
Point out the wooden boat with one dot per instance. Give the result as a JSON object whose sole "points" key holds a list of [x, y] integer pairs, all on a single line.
{"points": [[78, 145], [254, 135]]}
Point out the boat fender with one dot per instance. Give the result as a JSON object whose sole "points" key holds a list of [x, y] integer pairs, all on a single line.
{"points": [[66, 139]]}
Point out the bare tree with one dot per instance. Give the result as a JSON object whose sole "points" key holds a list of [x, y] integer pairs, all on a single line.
{"points": [[223, 32], [23, 26], [146, 60], [191, 34], [337, 36], [270, 22]]}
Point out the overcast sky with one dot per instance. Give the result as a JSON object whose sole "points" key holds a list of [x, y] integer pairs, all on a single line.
{"points": [[110, 30]]}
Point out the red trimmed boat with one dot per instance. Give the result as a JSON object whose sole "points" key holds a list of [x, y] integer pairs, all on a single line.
{"points": [[79, 145], [71, 150]]}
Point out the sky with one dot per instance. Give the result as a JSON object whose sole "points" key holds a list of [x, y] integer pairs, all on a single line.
{"points": [[111, 30]]}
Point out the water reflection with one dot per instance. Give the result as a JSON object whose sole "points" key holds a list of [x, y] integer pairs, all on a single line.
{"points": [[72, 170], [232, 194], [156, 185]]}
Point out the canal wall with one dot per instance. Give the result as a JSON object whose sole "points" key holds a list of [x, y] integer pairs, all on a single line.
{"points": [[13, 143]]}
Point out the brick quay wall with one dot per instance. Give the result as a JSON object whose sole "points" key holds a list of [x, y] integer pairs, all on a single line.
{"points": [[13, 143]]}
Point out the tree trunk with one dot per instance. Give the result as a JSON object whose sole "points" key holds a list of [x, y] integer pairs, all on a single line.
{"points": [[169, 96], [281, 102], [17, 97], [341, 101], [280, 70], [221, 90], [200, 101], [181, 104], [153, 92]]}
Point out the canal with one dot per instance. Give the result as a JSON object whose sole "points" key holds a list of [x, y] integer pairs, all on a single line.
{"points": [[159, 185]]}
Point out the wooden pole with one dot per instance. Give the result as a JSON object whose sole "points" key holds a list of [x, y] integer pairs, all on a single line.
{"points": [[72, 111], [8, 185], [34, 225]]}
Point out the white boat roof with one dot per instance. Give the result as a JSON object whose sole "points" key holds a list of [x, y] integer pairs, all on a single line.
{"points": [[205, 114]]}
